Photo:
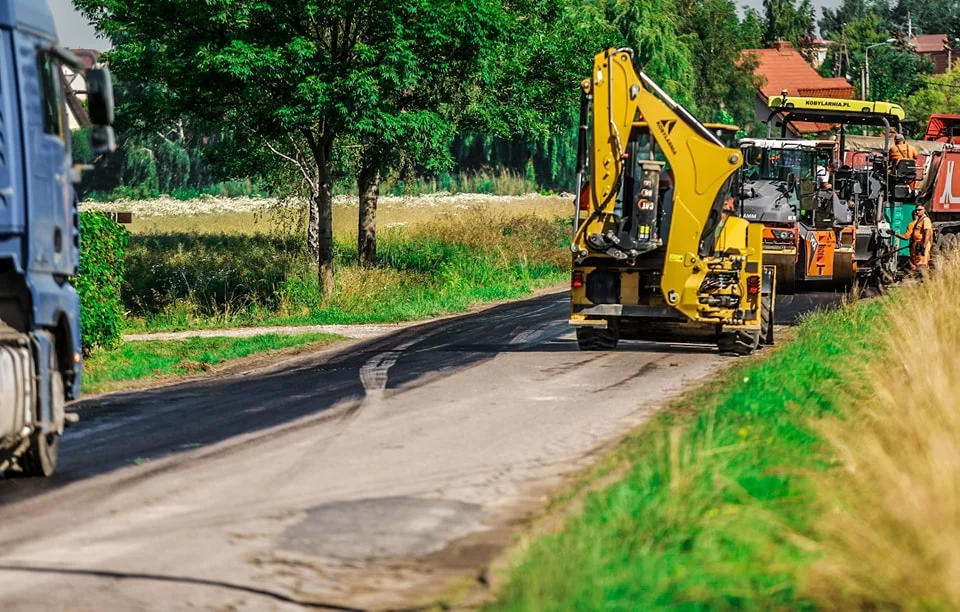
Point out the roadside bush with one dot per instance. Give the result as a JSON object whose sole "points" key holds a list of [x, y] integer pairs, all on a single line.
{"points": [[214, 273], [99, 281]]}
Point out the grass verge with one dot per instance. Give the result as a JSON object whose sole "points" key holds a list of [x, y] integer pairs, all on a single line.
{"points": [[134, 361], [823, 476], [718, 508]]}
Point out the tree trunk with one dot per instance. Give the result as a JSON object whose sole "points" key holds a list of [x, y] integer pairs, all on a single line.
{"points": [[313, 226], [368, 183], [322, 200]]}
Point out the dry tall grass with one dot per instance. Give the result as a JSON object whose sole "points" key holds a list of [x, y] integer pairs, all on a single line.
{"points": [[264, 216], [891, 531]]}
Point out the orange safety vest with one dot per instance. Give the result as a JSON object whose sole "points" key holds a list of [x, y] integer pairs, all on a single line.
{"points": [[897, 153], [915, 232]]}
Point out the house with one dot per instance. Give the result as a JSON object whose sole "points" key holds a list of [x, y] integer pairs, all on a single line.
{"points": [[783, 68], [819, 49], [936, 47]]}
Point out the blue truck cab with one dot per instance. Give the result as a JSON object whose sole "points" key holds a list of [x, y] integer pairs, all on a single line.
{"points": [[40, 351]]}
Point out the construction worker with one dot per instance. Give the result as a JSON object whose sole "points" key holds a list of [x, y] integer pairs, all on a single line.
{"points": [[901, 150], [920, 235], [824, 173]]}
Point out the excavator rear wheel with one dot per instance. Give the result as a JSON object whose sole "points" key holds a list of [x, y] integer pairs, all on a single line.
{"points": [[738, 341], [593, 339]]}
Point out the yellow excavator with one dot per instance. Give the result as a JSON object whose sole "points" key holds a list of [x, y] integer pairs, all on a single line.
{"points": [[658, 251]]}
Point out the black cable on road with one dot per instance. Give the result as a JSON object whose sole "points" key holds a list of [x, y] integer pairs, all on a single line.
{"points": [[95, 573]]}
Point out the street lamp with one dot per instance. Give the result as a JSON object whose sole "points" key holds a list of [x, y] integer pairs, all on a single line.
{"points": [[866, 64]]}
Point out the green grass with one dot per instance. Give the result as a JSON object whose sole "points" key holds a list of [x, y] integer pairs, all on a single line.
{"points": [[148, 359], [443, 265], [717, 508]]}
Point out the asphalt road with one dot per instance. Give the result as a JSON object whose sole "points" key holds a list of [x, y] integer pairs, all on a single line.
{"points": [[363, 476]]}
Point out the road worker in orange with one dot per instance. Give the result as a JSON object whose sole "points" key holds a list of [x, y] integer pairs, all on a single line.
{"points": [[901, 149], [920, 235]]}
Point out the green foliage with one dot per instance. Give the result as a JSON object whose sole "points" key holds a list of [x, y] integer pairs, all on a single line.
{"points": [[653, 30], [938, 94], [928, 16], [787, 20], [725, 83], [751, 30], [895, 70], [895, 74], [716, 509], [173, 166], [834, 20], [80, 145], [100, 279], [139, 170], [213, 273]]}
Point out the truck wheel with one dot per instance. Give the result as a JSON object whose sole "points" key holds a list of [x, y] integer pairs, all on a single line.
{"points": [[593, 339], [786, 279], [949, 243], [766, 319], [40, 458], [738, 341]]}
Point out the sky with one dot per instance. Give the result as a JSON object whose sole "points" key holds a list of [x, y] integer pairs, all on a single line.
{"points": [[76, 33]]}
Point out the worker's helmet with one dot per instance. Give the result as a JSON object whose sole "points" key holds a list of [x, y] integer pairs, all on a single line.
{"points": [[900, 138]]}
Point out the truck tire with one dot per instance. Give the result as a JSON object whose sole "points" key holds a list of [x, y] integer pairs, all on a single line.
{"points": [[593, 339], [738, 342], [766, 320], [40, 458], [948, 243], [786, 279]]}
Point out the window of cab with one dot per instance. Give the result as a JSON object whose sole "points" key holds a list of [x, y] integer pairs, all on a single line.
{"points": [[51, 96]]}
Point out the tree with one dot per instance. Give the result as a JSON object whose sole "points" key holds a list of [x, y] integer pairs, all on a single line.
{"points": [[896, 73], [652, 29], [724, 83], [833, 20], [846, 55], [298, 75], [785, 20], [938, 94], [751, 30], [925, 16]]}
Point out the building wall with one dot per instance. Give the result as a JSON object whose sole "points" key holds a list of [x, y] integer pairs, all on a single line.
{"points": [[762, 112]]}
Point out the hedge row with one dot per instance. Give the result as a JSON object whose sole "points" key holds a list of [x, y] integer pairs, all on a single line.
{"points": [[103, 244]]}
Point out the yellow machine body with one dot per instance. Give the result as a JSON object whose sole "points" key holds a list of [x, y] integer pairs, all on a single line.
{"points": [[709, 264]]}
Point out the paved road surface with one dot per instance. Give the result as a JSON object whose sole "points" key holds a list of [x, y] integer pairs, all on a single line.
{"points": [[359, 478]]}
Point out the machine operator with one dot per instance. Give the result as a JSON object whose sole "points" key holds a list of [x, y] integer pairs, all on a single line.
{"points": [[901, 149]]}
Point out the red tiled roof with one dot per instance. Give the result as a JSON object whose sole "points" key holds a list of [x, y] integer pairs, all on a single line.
{"points": [[930, 43], [784, 68]]}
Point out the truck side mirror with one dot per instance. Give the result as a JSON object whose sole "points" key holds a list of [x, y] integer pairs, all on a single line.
{"points": [[100, 96], [102, 139]]}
